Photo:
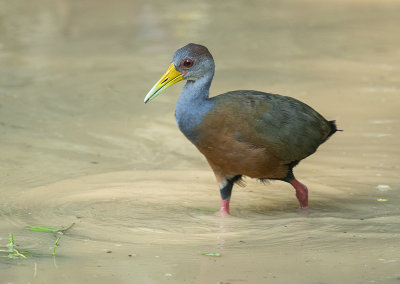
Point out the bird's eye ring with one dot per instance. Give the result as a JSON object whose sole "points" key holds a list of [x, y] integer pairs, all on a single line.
{"points": [[187, 63]]}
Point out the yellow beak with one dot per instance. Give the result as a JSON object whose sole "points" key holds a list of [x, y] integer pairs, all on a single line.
{"points": [[170, 77]]}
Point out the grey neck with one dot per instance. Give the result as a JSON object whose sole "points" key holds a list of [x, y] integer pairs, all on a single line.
{"points": [[193, 104]]}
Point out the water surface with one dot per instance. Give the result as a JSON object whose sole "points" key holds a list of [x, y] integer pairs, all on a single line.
{"points": [[78, 144]]}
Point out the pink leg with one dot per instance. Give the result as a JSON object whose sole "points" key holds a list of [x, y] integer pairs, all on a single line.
{"points": [[224, 207], [301, 193]]}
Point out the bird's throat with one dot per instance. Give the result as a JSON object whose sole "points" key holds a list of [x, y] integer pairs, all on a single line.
{"points": [[193, 104]]}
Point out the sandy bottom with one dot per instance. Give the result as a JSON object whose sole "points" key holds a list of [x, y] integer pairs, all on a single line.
{"points": [[79, 146], [131, 226]]}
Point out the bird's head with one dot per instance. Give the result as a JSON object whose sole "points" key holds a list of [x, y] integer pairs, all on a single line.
{"points": [[191, 62]]}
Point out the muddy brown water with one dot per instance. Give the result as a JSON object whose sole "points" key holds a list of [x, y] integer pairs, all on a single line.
{"points": [[78, 144]]}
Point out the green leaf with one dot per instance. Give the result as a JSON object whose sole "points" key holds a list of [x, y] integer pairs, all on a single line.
{"points": [[215, 254], [42, 229]]}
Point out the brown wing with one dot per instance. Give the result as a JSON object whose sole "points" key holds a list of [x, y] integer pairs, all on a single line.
{"points": [[290, 129]]}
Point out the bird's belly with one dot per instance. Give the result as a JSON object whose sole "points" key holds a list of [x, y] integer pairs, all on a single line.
{"points": [[230, 157]]}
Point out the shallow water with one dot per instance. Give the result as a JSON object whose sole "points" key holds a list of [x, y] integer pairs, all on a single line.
{"points": [[78, 144]]}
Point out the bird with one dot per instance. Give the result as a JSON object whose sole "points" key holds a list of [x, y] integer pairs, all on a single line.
{"points": [[243, 132]]}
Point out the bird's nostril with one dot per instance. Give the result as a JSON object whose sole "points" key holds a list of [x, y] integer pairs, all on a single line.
{"points": [[166, 79]]}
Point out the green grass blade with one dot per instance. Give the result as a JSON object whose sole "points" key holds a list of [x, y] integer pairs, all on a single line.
{"points": [[56, 243], [42, 229], [11, 244], [215, 254]]}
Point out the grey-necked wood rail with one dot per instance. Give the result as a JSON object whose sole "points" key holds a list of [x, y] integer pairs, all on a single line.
{"points": [[244, 132]]}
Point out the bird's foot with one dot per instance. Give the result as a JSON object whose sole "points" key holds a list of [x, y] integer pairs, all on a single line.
{"points": [[303, 211]]}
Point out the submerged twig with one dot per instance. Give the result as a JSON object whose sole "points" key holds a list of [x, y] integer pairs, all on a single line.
{"points": [[64, 230]]}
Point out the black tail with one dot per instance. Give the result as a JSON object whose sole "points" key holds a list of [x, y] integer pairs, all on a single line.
{"points": [[332, 124]]}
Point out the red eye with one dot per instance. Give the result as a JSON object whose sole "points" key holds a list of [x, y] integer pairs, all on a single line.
{"points": [[187, 63]]}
